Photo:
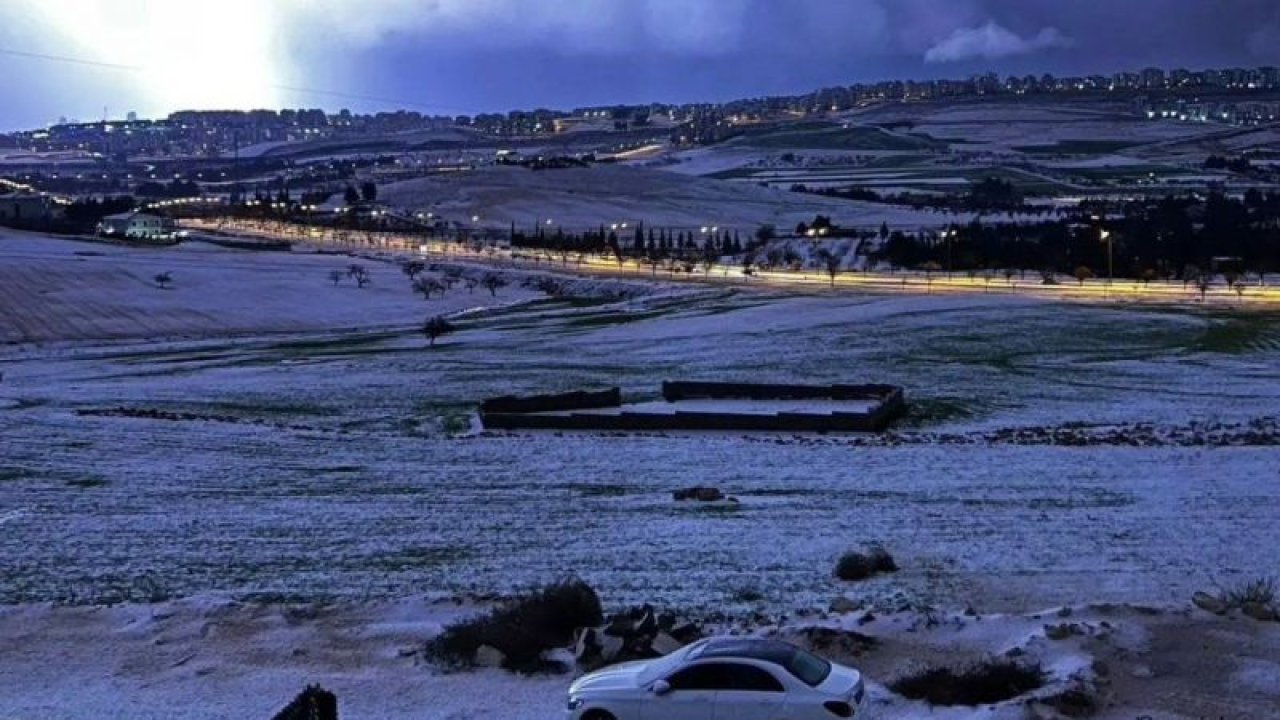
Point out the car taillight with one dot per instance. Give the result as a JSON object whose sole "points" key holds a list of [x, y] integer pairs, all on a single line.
{"points": [[839, 708]]}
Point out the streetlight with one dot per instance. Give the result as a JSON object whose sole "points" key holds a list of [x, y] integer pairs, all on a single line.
{"points": [[948, 236], [1105, 236]]}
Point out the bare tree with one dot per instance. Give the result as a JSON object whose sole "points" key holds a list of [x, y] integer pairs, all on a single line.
{"points": [[359, 274], [831, 262], [471, 284], [708, 261], [163, 280], [493, 282], [428, 286], [1081, 274], [1203, 281], [413, 268], [930, 268], [436, 326], [336, 276]]}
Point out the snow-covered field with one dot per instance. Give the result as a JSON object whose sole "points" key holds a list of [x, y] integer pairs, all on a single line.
{"points": [[1005, 126], [209, 657], [255, 433], [585, 198], [54, 290]]}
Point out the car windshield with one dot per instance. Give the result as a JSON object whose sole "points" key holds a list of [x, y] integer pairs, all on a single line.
{"points": [[810, 668], [665, 664]]}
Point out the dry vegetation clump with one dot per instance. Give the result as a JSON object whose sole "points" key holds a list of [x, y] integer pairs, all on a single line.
{"points": [[522, 629], [855, 565]]}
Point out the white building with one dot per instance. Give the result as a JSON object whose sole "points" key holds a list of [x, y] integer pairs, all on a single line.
{"points": [[137, 226]]}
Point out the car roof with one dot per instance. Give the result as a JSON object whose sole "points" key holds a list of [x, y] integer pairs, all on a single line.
{"points": [[774, 651]]}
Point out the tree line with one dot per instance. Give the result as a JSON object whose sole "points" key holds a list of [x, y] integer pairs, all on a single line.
{"points": [[1175, 237]]}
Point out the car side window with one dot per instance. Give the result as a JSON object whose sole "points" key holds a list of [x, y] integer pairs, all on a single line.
{"points": [[750, 678], [708, 676]]}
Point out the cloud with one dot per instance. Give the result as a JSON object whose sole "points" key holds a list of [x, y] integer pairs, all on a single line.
{"points": [[1264, 43], [566, 27], [992, 41]]}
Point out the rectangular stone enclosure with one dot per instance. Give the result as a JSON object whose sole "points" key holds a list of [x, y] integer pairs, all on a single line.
{"points": [[706, 406]]}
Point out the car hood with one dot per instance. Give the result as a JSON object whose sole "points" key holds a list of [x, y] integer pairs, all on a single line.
{"points": [[615, 677], [841, 682]]}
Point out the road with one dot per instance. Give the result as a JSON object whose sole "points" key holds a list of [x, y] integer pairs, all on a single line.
{"points": [[902, 281]]}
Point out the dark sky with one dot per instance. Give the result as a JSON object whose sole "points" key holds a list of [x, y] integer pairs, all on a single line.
{"points": [[468, 55]]}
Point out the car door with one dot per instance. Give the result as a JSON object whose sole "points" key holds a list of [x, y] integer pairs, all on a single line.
{"points": [[692, 695], [753, 693]]}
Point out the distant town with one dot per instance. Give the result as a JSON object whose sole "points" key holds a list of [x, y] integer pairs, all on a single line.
{"points": [[1236, 96]]}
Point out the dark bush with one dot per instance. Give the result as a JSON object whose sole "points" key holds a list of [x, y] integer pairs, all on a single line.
{"points": [[1261, 591], [313, 703], [1073, 703], [977, 684], [862, 565], [522, 629]]}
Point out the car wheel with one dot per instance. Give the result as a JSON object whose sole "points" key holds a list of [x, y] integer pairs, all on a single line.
{"points": [[598, 715]]}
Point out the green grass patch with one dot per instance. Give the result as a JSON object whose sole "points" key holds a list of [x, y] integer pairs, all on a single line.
{"points": [[1239, 334], [251, 408], [27, 403], [339, 469], [328, 346], [601, 490], [931, 411], [839, 138], [411, 558], [1077, 147], [455, 423], [614, 318], [87, 481]]}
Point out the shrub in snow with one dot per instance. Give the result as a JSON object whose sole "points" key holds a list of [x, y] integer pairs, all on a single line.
{"points": [[862, 565], [1255, 598], [1260, 591], [981, 683], [313, 703], [522, 629], [436, 326]]}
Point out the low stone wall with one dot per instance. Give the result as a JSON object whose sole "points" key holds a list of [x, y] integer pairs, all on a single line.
{"points": [[579, 400], [511, 413], [683, 390]]}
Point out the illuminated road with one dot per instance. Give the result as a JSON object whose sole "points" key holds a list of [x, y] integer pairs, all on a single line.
{"points": [[910, 282]]}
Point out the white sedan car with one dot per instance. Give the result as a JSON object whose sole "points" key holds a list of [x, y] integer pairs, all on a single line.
{"points": [[726, 678]]}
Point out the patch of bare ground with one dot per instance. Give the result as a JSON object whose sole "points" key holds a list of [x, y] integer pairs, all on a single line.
{"points": [[1111, 662], [1193, 665]]}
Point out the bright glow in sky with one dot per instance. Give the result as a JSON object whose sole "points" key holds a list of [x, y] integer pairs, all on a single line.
{"points": [[188, 53], [466, 56]]}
